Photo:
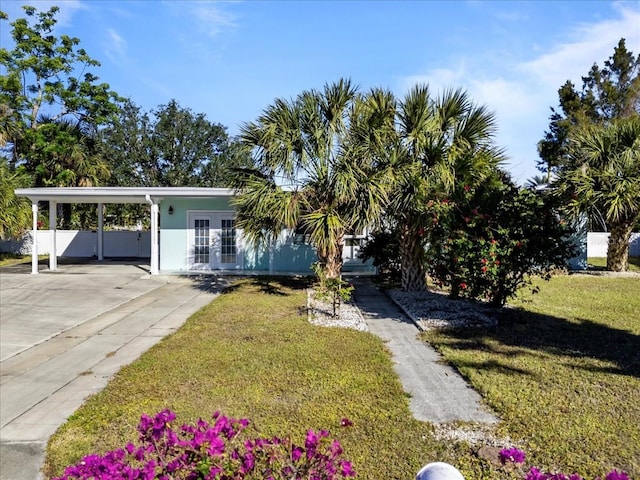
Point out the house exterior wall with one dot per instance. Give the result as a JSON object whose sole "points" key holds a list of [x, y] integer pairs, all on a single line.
{"points": [[174, 228], [288, 254], [174, 241]]}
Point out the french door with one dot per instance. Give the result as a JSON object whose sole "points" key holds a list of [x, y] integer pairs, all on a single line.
{"points": [[213, 241]]}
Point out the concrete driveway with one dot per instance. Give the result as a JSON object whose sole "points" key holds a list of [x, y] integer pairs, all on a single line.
{"points": [[63, 334]]}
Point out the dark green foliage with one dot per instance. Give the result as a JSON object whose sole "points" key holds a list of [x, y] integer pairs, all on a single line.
{"points": [[607, 93], [491, 239], [15, 212], [49, 75], [52, 107], [310, 173], [383, 247], [593, 147], [170, 147]]}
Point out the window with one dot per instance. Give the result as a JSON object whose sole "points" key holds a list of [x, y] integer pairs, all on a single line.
{"points": [[228, 252], [201, 241]]}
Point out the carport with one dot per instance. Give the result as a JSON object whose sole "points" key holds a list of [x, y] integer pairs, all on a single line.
{"points": [[152, 196]]}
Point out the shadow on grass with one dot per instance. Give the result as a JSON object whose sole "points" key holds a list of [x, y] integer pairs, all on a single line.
{"points": [[599, 264], [526, 331], [266, 284]]}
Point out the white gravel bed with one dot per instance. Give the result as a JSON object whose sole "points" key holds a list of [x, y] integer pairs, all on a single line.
{"points": [[349, 316], [431, 310]]}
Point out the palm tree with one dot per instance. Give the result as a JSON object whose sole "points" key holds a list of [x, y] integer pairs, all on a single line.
{"points": [[605, 178], [63, 153], [15, 212], [438, 143], [307, 175], [537, 182]]}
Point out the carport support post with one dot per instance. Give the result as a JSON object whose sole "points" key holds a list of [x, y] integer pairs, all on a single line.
{"points": [[34, 239], [53, 220], [154, 239], [100, 233]]}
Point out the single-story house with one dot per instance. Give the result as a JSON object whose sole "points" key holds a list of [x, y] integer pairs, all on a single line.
{"points": [[192, 230]]}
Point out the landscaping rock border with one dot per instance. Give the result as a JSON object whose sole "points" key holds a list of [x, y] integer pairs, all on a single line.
{"points": [[320, 313], [430, 310]]}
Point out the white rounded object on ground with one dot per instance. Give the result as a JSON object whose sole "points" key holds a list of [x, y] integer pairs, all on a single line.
{"points": [[439, 471]]}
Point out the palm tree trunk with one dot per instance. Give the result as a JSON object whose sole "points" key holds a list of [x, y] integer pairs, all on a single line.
{"points": [[412, 261], [332, 262], [618, 251]]}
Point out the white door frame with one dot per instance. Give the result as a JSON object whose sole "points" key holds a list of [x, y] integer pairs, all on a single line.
{"points": [[215, 236], [195, 260]]}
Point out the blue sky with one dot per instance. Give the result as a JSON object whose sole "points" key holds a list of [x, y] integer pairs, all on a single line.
{"points": [[231, 59]]}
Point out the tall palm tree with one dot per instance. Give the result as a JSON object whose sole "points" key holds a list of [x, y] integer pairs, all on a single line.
{"points": [[439, 143], [306, 176], [15, 212], [605, 178]]}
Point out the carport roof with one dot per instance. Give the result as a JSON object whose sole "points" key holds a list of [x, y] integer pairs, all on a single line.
{"points": [[118, 194]]}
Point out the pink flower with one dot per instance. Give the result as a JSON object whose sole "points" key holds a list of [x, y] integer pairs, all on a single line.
{"points": [[512, 455], [345, 422]]}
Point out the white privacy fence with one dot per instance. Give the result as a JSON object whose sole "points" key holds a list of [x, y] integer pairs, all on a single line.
{"points": [[598, 242], [80, 243]]}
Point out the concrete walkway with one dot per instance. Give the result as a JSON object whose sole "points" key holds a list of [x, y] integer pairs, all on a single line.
{"points": [[64, 335], [438, 393]]}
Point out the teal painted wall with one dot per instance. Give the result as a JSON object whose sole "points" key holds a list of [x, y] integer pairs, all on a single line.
{"points": [[287, 257], [174, 228]]}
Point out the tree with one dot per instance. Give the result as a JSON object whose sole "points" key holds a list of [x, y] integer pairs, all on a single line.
{"points": [[306, 175], [41, 73], [607, 93], [15, 212], [47, 82], [171, 146], [490, 240], [431, 146], [605, 176]]}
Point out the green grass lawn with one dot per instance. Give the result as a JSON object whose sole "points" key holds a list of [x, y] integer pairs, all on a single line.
{"points": [[12, 259], [7, 259], [251, 353], [600, 263], [562, 370]]}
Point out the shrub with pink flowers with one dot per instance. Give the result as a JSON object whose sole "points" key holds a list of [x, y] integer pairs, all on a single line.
{"points": [[215, 450], [514, 457]]}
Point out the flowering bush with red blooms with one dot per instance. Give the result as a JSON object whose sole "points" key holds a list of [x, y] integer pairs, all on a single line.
{"points": [[494, 238], [214, 451]]}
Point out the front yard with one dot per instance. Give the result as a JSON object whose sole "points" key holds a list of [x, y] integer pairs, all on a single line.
{"points": [[562, 370]]}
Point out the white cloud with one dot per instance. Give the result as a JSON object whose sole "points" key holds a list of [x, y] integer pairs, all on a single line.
{"points": [[115, 47], [63, 17], [521, 93], [208, 18], [438, 79], [211, 18], [592, 43]]}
